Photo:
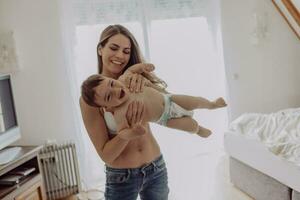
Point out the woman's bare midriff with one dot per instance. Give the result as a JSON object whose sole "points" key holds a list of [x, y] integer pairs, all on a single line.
{"points": [[138, 152]]}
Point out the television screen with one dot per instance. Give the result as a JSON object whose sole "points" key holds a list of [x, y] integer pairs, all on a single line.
{"points": [[7, 110], [9, 128]]}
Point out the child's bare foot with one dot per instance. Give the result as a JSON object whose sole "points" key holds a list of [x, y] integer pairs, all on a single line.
{"points": [[218, 103], [203, 132]]}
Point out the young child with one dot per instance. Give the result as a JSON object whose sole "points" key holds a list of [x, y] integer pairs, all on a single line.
{"points": [[171, 110]]}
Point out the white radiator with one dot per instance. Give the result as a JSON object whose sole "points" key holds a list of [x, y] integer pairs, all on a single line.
{"points": [[59, 166]]}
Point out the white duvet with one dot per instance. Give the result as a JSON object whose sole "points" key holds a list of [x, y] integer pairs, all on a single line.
{"points": [[279, 131]]}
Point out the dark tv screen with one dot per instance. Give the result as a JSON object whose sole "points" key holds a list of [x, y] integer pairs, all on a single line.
{"points": [[7, 110]]}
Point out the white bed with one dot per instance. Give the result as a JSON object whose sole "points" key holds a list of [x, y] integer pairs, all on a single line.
{"points": [[253, 167], [253, 153]]}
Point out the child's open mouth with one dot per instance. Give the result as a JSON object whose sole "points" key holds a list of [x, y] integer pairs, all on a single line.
{"points": [[122, 94]]}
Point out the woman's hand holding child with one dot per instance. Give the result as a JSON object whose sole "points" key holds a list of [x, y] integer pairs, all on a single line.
{"points": [[134, 117], [133, 77]]}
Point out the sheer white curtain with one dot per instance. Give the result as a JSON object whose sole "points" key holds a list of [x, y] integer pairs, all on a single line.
{"points": [[182, 39], [185, 57]]}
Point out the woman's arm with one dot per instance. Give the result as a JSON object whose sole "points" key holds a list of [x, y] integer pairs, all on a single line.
{"points": [[133, 77], [108, 150], [141, 68], [137, 76]]}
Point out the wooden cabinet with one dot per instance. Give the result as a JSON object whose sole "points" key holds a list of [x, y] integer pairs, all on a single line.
{"points": [[33, 193], [29, 188]]}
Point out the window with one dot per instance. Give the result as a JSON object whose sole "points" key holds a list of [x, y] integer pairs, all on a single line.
{"points": [[183, 52], [182, 47]]}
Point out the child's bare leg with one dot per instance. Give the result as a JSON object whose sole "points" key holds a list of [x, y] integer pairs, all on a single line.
{"points": [[188, 124], [192, 102], [184, 123]]}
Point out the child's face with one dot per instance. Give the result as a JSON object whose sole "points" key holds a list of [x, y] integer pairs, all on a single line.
{"points": [[110, 93]]}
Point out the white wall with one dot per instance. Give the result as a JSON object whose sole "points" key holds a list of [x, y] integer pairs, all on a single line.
{"points": [[41, 91], [268, 73]]}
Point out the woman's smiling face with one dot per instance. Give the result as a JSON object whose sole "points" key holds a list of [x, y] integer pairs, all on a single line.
{"points": [[115, 55]]}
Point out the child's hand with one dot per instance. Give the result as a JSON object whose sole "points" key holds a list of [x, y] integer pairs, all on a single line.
{"points": [[219, 103]]}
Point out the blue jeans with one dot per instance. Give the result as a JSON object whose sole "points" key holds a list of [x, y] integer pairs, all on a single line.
{"points": [[149, 181]]}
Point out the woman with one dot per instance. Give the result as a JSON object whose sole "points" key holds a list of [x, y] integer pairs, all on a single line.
{"points": [[134, 164]]}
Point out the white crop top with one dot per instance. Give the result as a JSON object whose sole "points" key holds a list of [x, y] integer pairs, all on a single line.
{"points": [[110, 122]]}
